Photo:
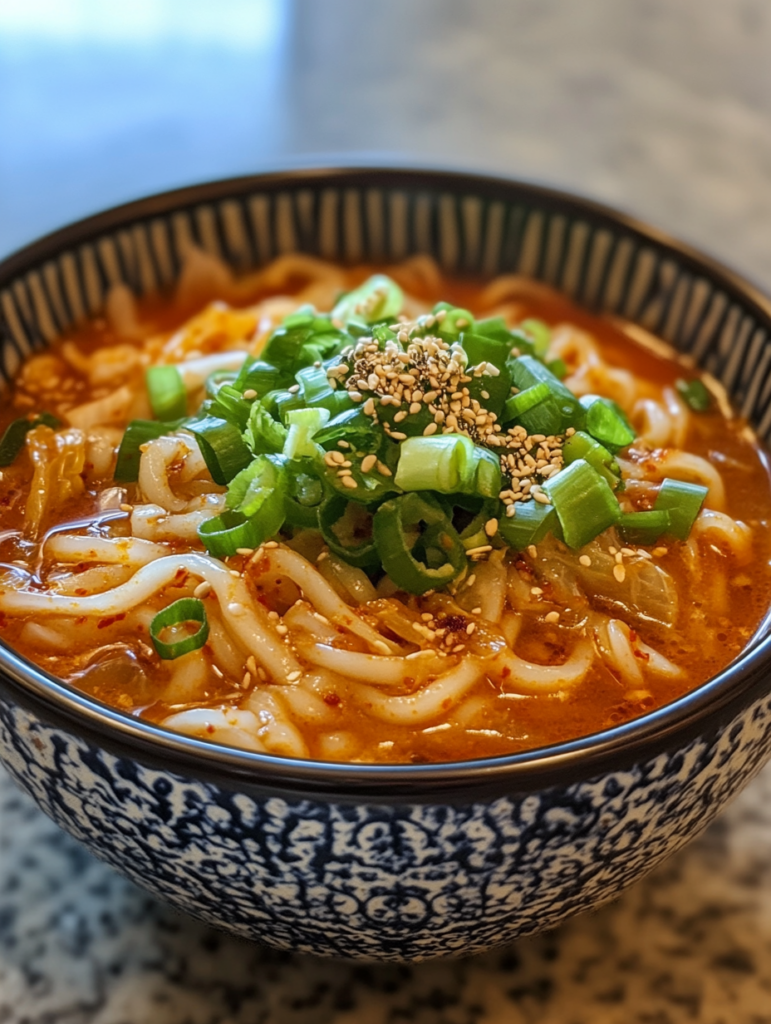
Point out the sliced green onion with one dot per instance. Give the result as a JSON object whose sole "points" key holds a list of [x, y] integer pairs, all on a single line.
{"points": [[259, 489], [304, 493], [683, 502], [494, 327], [379, 298], [540, 333], [259, 376], [558, 367], [346, 526], [353, 426], [449, 464], [303, 339], [606, 422], [695, 395], [483, 349], [186, 609], [137, 433], [216, 379], [644, 527], [526, 400], [584, 503], [229, 404], [491, 392], [263, 434], [455, 320], [553, 414], [303, 424], [15, 433], [317, 391], [255, 509], [418, 546], [529, 525], [167, 393], [224, 450], [582, 446]]}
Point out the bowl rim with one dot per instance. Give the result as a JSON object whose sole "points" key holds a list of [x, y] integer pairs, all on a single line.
{"points": [[699, 713]]}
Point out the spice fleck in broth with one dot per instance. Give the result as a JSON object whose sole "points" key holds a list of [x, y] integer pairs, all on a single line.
{"points": [[377, 517]]}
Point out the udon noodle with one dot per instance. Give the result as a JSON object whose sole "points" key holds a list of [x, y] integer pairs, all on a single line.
{"points": [[307, 655]]}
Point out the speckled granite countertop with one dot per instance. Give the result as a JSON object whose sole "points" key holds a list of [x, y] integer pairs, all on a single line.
{"points": [[663, 109]]}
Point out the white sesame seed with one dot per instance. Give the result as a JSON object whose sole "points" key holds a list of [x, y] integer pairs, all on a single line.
{"points": [[244, 551], [293, 676], [203, 589], [235, 608], [249, 394], [541, 497], [430, 429], [294, 389], [532, 550], [349, 482], [536, 591], [368, 462], [585, 560], [552, 617], [491, 527], [281, 629]]}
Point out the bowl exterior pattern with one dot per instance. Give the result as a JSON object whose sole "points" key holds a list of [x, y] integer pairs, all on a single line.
{"points": [[381, 882], [383, 879]]}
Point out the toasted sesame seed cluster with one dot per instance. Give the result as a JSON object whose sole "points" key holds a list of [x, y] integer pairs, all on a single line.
{"points": [[430, 374]]}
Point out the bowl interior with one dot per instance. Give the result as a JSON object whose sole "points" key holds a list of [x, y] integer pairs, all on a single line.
{"points": [[471, 225]]}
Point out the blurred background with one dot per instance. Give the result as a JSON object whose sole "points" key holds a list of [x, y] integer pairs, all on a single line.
{"points": [[660, 108]]}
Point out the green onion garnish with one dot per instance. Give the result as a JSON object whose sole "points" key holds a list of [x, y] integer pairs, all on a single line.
{"points": [[186, 609], [224, 450], [138, 432], [303, 425], [529, 525], [346, 526], [683, 502], [695, 395], [379, 298], [581, 446], [606, 423], [554, 413], [449, 464], [584, 503], [418, 546], [12, 440], [167, 393], [644, 527]]}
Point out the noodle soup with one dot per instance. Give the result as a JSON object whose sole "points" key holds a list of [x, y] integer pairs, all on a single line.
{"points": [[369, 517]]}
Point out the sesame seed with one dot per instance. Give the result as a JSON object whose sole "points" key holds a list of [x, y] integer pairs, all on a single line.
{"points": [[536, 591], [383, 470], [349, 482], [532, 550], [397, 435], [246, 681], [235, 573], [294, 389], [659, 552], [244, 551], [251, 665], [612, 550], [343, 444], [271, 544], [249, 394], [480, 550], [471, 627], [203, 589], [369, 407], [381, 645], [235, 608], [471, 581], [126, 508], [619, 572], [491, 527], [368, 462], [430, 429], [477, 610], [458, 648], [355, 396], [511, 511], [619, 557], [585, 560], [281, 629], [552, 617], [415, 408], [294, 676], [541, 497]]}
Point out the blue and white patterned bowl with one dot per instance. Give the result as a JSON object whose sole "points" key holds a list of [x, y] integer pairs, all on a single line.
{"points": [[390, 862]]}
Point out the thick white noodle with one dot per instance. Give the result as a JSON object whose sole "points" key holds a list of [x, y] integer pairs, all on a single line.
{"points": [[151, 522], [653, 422], [681, 466], [615, 646], [195, 371], [111, 409], [232, 728], [527, 678], [719, 528], [277, 734], [282, 561], [433, 700], [246, 621], [68, 547], [157, 458], [382, 670]]}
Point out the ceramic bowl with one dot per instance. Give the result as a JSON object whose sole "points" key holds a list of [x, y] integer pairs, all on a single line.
{"points": [[390, 862]]}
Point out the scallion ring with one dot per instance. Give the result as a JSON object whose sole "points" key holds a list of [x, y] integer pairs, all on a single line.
{"points": [[186, 609]]}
